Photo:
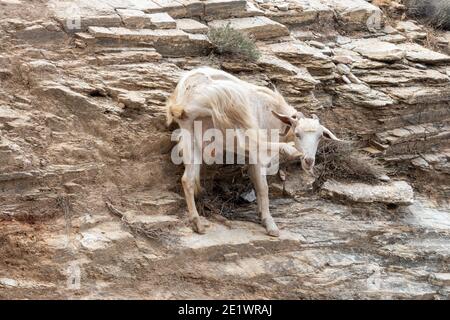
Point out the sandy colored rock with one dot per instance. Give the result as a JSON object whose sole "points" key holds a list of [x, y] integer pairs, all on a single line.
{"points": [[363, 95], [132, 100], [191, 26], [358, 14], [376, 49], [162, 20], [103, 236], [417, 53], [396, 192], [132, 18], [223, 8], [420, 94]]}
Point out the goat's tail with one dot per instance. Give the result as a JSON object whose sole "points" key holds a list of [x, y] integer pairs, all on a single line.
{"points": [[174, 110]]}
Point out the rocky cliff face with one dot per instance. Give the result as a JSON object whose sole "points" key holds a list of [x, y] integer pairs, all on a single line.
{"points": [[91, 206]]}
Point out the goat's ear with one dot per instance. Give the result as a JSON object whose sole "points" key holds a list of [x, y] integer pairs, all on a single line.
{"points": [[329, 135], [284, 118]]}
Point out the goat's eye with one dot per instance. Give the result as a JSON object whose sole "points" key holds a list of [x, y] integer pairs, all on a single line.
{"points": [[298, 135]]}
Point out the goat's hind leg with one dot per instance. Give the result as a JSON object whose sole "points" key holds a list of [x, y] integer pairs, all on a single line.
{"points": [[189, 184], [190, 179]]}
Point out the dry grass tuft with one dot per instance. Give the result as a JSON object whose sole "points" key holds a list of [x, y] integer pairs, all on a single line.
{"points": [[233, 42]]}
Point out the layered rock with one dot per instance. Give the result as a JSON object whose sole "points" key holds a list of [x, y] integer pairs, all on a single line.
{"points": [[86, 154], [397, 192]]}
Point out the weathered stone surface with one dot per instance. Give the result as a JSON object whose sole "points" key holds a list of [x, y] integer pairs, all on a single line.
{"points": [[393, 38], [191, 26], [242, 233], [357, 14], [126, 56], [258, 27], [396, 192], [287, 74], [417, 53], [162, 20], [174, 8], [132, 100], [419, 132], [132, 18], [76, 102], [144, 35], [303, 55], [7, 114], [223, 8], [302, 12], [419, 94], [405, 75], [39, 34], [144, 5], [103, 236], [110, 20], [427, 215], [363, 95], [411, 30], [376, 49], [408, 26]]}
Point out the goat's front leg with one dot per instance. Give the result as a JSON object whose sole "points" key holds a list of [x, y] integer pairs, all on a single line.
{"points": [[262, 191]]}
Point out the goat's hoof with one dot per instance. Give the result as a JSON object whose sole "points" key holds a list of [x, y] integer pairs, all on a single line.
{"points": [[197, 226], [273, 232], [271, 227]]}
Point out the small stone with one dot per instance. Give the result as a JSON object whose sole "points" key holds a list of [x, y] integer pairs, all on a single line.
{"points": [[343, 59], [346, 80], [283, 6], [389, 29], [353, 78], [8, 282], [249, 196], [162, 20], [191, 26], [419, 162], [408, 26], [343, 69], [316, 44], [132, 100]]}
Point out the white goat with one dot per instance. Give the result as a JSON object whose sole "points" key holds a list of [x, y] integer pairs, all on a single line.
{"points": [[222, 101]]}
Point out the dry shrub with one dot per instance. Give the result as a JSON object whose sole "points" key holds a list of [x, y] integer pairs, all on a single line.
{"points": [[222, 187], [231, 41], [343, 161], [433, 12]]}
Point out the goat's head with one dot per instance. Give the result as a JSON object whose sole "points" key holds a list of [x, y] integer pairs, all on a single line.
{"points": [[308, 132]]}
